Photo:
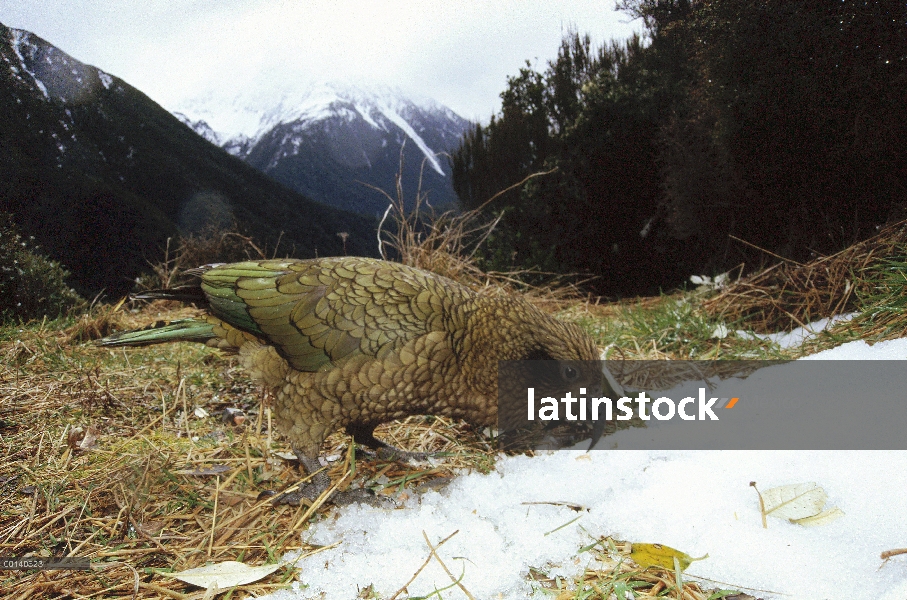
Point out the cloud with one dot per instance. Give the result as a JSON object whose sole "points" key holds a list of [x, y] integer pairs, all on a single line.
{"points": [[460, 51]]}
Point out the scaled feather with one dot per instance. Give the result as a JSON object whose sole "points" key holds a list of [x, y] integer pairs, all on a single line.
{"points": [[355, 342]]}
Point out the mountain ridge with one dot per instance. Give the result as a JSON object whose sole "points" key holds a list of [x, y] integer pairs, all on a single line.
{"points": [[336, 142], [101, 175]]}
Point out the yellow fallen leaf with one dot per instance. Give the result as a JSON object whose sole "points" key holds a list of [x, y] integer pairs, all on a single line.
{"points": [[659, 555], [224, 575]]}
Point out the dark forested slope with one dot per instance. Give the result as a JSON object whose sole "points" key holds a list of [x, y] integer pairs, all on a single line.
{"points": [[101, 175]]}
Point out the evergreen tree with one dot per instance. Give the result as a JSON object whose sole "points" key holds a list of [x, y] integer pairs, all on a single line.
{"points": [[781, 123]]}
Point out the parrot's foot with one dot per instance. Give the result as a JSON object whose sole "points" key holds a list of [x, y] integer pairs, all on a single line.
{"points": [[344, 498], [390, 453], [373, 447], [318, 484]]}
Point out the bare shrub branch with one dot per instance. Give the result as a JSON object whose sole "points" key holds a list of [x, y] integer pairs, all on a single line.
{"points": [[212, 244], [447, 243]]}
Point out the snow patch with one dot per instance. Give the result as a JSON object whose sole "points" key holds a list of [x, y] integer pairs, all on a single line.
{"points": [[643, 496], [40, 85], [860, 350], [697, 501], [364, 112], [796, 337], [400, 122], [20, 39]]}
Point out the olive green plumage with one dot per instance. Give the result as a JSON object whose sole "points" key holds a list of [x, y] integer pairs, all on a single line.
{"points": [[355, 342]]}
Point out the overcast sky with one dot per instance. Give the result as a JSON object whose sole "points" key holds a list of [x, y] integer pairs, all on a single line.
{"points": [[457, 52]]}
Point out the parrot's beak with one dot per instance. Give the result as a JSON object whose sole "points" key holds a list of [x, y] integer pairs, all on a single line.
{"points": [[611, 389]]}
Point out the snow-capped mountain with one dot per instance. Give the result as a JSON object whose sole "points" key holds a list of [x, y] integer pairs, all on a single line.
{"points": [[332, 141], [102, 176]]}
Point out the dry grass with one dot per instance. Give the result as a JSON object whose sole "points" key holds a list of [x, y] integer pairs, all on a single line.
{"points": [[790, 294], [163, 488], [447, 244], [211, 245], [105, 456], [869, 278], [98, 321]]}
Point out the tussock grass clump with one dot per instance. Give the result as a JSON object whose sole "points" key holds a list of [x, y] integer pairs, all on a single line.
{"points": [[883, 299], [791, 294], [881, 312], [212, 245], [447, 244], [868, 279], [98, 321]]}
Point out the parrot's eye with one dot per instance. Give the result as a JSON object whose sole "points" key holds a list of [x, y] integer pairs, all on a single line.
{"points": [[569, 373]]}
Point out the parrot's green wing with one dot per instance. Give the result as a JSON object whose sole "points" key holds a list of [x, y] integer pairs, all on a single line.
{"points": [[317, 312]]}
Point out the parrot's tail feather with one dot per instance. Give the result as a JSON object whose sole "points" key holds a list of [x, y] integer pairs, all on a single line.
{"points": [[184, 293], [185, 330]]}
